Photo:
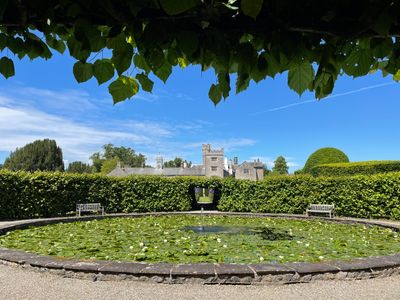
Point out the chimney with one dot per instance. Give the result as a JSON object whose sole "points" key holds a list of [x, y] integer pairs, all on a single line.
{"points": [[230, 167]]}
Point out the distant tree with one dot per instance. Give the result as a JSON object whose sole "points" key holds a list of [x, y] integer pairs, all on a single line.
{"points": [[127, 157], [41, 155], [177, 162], [280, 166], [79, 167], [266, 170], [109, 165], [1, 166]]}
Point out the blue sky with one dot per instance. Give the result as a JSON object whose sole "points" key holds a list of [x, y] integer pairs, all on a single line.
{"points": [[43, 100]]}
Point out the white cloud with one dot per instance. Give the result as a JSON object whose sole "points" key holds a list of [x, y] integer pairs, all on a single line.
{"points": [[19, 126], [63, 100], [227, 144]]}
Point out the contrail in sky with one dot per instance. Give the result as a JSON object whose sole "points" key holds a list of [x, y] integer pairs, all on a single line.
{"points": [[331, 96]]}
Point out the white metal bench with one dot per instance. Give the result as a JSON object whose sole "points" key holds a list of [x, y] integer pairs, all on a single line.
{"points": [[89, 207], [321, 209]]}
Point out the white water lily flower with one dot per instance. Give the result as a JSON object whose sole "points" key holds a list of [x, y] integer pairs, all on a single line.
{"points": [[141, 244], [299, 242], [281, 257], [261, 258], [321, 257], [225, 246], [131, 247], [307, 244], [165, 241], [218, 240]]}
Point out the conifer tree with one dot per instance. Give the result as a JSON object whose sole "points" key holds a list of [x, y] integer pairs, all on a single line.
{"points": [[41, 155], [280, 166]]}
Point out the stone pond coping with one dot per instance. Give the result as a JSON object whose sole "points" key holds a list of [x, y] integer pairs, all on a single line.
{"points": [[205, 273]]}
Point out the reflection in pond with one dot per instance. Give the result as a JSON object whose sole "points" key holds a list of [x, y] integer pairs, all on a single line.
{"points": [[267, 233]]}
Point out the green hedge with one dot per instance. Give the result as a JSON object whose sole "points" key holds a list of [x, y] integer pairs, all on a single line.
{"points": [[30, 195], [376, 196], [356, 168]]}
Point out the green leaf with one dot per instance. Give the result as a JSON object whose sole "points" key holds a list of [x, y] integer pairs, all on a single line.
{"points": [[75, 49], [381, 47], [224, 83], [182, 62], [215, 94], [164, 72], [251, 8], [156, 59], [7, 67], [242, 82], [103, 70], [358, 63], [123, 88], [397, 76], [145, 82], [175, 7], [83, 71], [300, 77], [122, 58], [188, 42], [57, 45], [273, 65], [141, 63]]}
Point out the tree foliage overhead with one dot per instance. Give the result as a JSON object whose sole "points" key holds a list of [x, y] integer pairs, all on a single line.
{"points": [[123, 42], [41, 155]]}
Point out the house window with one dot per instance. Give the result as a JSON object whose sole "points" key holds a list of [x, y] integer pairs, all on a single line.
{"points": [[246, 171], [214, 168], [214, 158]]}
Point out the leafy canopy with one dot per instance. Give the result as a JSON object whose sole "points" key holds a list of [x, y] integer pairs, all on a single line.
{"points": [[125, 43], [177, 162], [41, 155], [280, 166], [79, 167], [107, 160]]}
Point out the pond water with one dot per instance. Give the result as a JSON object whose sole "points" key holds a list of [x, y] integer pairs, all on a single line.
{"points": [[189, 239]]}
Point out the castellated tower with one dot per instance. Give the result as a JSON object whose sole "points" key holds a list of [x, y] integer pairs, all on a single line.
{"points": [[213, 161]]}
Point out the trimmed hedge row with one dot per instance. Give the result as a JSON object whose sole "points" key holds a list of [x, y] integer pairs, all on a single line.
{"points": [[376, 196], [356, 168], [30, 195]]}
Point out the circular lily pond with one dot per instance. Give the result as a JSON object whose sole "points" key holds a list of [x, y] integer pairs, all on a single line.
{"points": [[189, 239]]}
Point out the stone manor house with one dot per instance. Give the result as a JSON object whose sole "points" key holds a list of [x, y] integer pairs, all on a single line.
{"points": [[214, 164]]}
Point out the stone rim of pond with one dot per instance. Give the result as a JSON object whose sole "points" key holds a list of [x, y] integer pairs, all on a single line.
{"points": [[203, 273]]}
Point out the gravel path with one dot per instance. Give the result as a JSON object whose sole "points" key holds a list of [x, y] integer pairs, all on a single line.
{"points": [[17, 283]]}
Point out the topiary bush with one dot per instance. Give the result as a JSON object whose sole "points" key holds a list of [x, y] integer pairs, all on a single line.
{"points": [[324, 156], [356, 168]]}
